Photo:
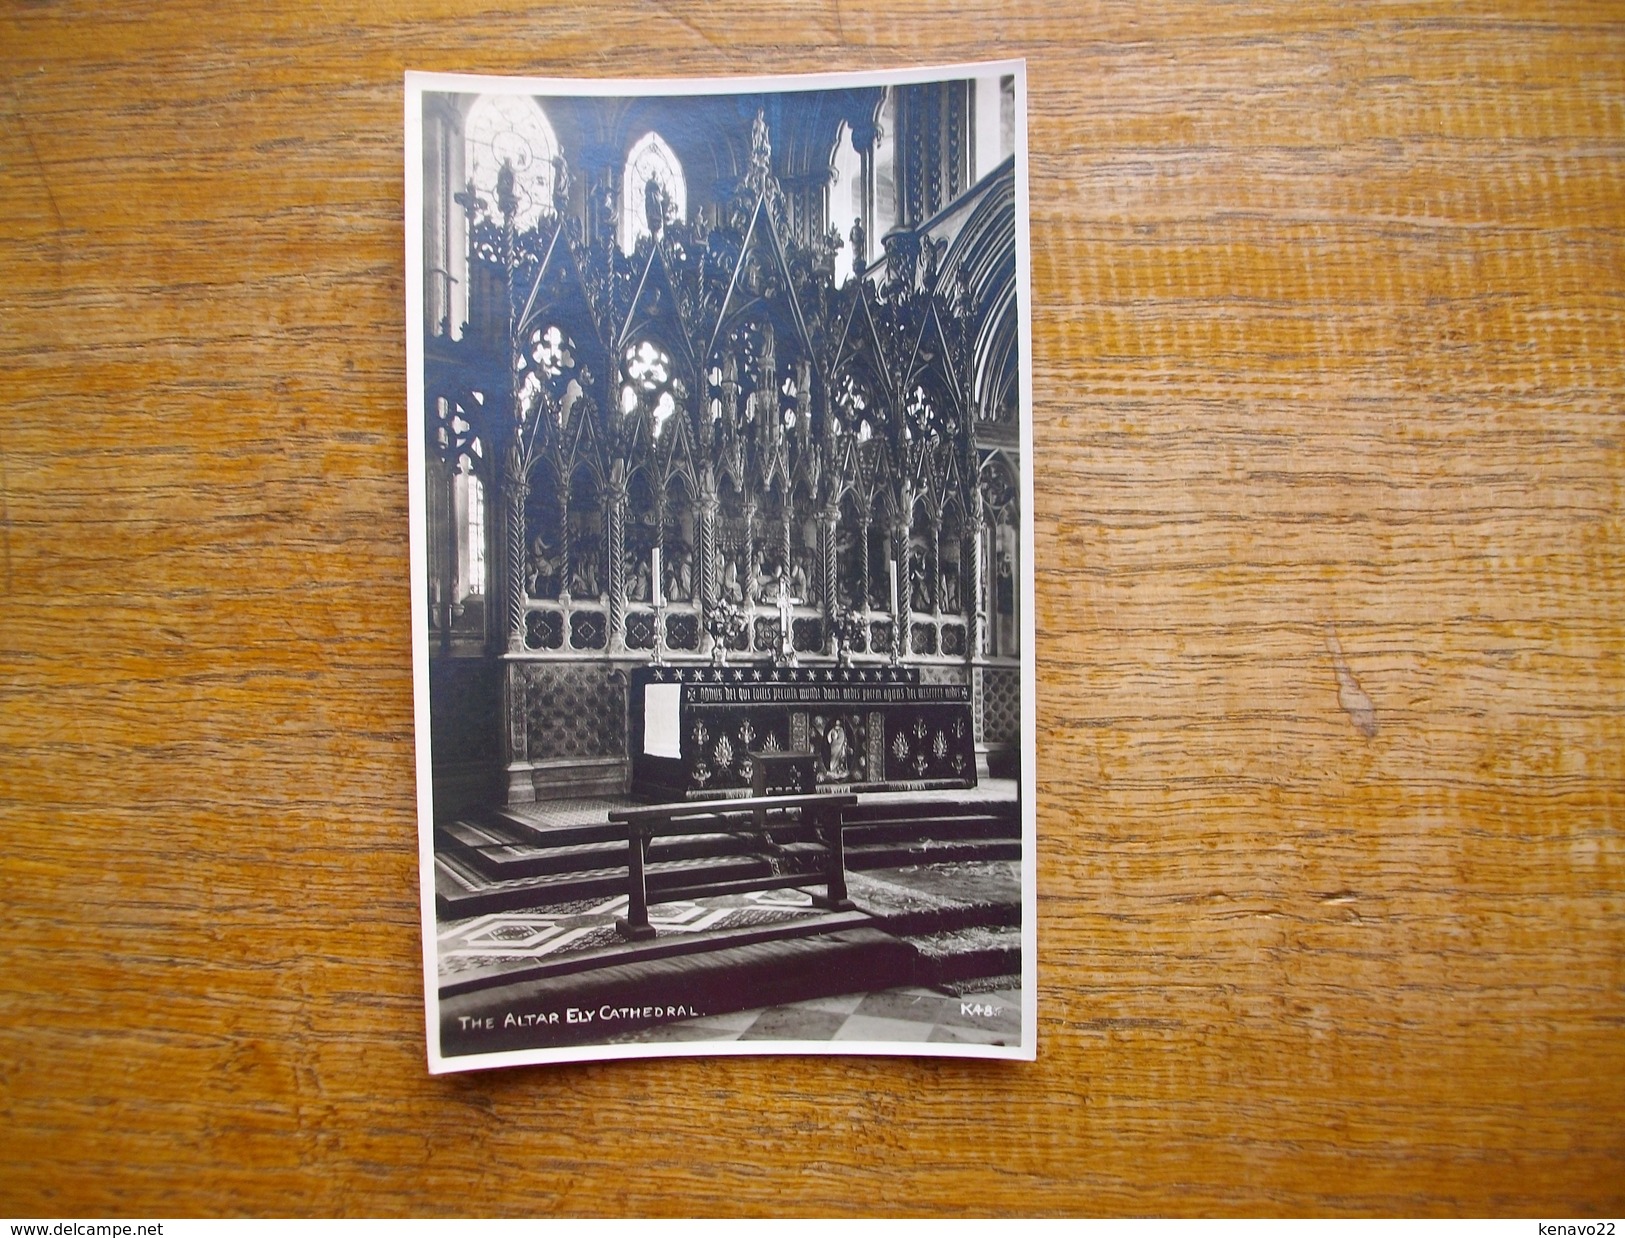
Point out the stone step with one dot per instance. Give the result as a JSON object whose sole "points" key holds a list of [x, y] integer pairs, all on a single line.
{"points": [[520, 830], [862, 857], [513, 860], [861, 833], [516, 829], [514, 826], [920, 900], [716, 979], [892, 811], [966, 954], [498, 860], [472, 835], [462, 890]]}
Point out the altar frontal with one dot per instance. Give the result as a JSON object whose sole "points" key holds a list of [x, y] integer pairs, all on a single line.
{"points": [[701, 731]]}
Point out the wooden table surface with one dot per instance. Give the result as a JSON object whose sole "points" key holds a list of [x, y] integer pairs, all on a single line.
{"points": [[1329, 369]]}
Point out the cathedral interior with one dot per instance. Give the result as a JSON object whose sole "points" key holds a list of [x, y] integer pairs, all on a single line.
{"points": [[728, 378]]}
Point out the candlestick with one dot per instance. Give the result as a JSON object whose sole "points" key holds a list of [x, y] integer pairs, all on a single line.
{"points": [[654, 576], [894, 586]]}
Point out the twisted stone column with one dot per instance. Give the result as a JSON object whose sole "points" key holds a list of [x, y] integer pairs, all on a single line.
{"points": [[828, 559], [905, 585], [567, 550], [864, 526], [706, 583], [443, 522], [747, 552], [517, 487], [829, 527], [974, 620], [784, 543], [617, 558], [933, 575]]}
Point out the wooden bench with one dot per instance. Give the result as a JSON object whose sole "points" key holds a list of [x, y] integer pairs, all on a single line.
{"points": [[823, 812]]}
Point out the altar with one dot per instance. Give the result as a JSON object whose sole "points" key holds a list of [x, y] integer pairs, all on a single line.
{"points": [[697, 732]]}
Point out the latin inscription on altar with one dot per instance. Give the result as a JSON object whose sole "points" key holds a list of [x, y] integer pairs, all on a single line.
{"points": [[828, 694]]}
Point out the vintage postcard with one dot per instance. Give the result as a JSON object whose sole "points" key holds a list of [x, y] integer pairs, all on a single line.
{"points": [[719, 413]]}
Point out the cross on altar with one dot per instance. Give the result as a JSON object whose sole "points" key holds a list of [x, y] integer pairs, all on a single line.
{"points": [[784, 602]]}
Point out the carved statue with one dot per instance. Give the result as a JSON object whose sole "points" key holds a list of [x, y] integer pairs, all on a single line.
{"points": [[685, 576], [586, 406], [786, 599], [603, 210], [542, 571], [655, 203], [769, 423], [584, 580], [919, 591], [931, 252], [804, 399], [902, 259], [848, 588], [836, 736], [761, 152], [767, 571], [860, 247], [825, 246], [507, 199], [752, 279], [561, 186], [677, 571]]}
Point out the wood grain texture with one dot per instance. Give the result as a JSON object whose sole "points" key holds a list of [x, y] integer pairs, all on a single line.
{"points": [[1330, 357]]}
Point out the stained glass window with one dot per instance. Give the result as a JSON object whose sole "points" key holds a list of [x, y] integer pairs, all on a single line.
{"points": [[647, 379], [512, 129], [650, 159], [846, 191]]}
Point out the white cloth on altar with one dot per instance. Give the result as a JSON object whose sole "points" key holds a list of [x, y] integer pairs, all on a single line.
{"points": [[661, 733]]}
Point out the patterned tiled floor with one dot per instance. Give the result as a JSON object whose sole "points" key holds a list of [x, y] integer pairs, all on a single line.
{"points": [[508, 941], [911, 1015]]}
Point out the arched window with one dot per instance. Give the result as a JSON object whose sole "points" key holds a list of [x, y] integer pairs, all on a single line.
{"points": [[459, 536], [544, 534], [845, 208], [1001, 556], [885, 214], [512, 129], [650, 159], [854, 407], [647, 382]]}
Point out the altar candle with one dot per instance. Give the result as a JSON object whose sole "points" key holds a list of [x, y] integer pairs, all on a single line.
{"points": [[654, 575], [894, 586]]}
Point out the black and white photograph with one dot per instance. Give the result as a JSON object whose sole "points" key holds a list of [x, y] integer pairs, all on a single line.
{"points": [[719, 435]]}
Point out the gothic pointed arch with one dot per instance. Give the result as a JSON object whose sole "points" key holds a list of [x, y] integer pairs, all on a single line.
{"points": [[664, 401], [761, 283], [656, 308], [511, 132], [555, 295], [984, 253], [1000, 493], [544, 575], [654, 191]]}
